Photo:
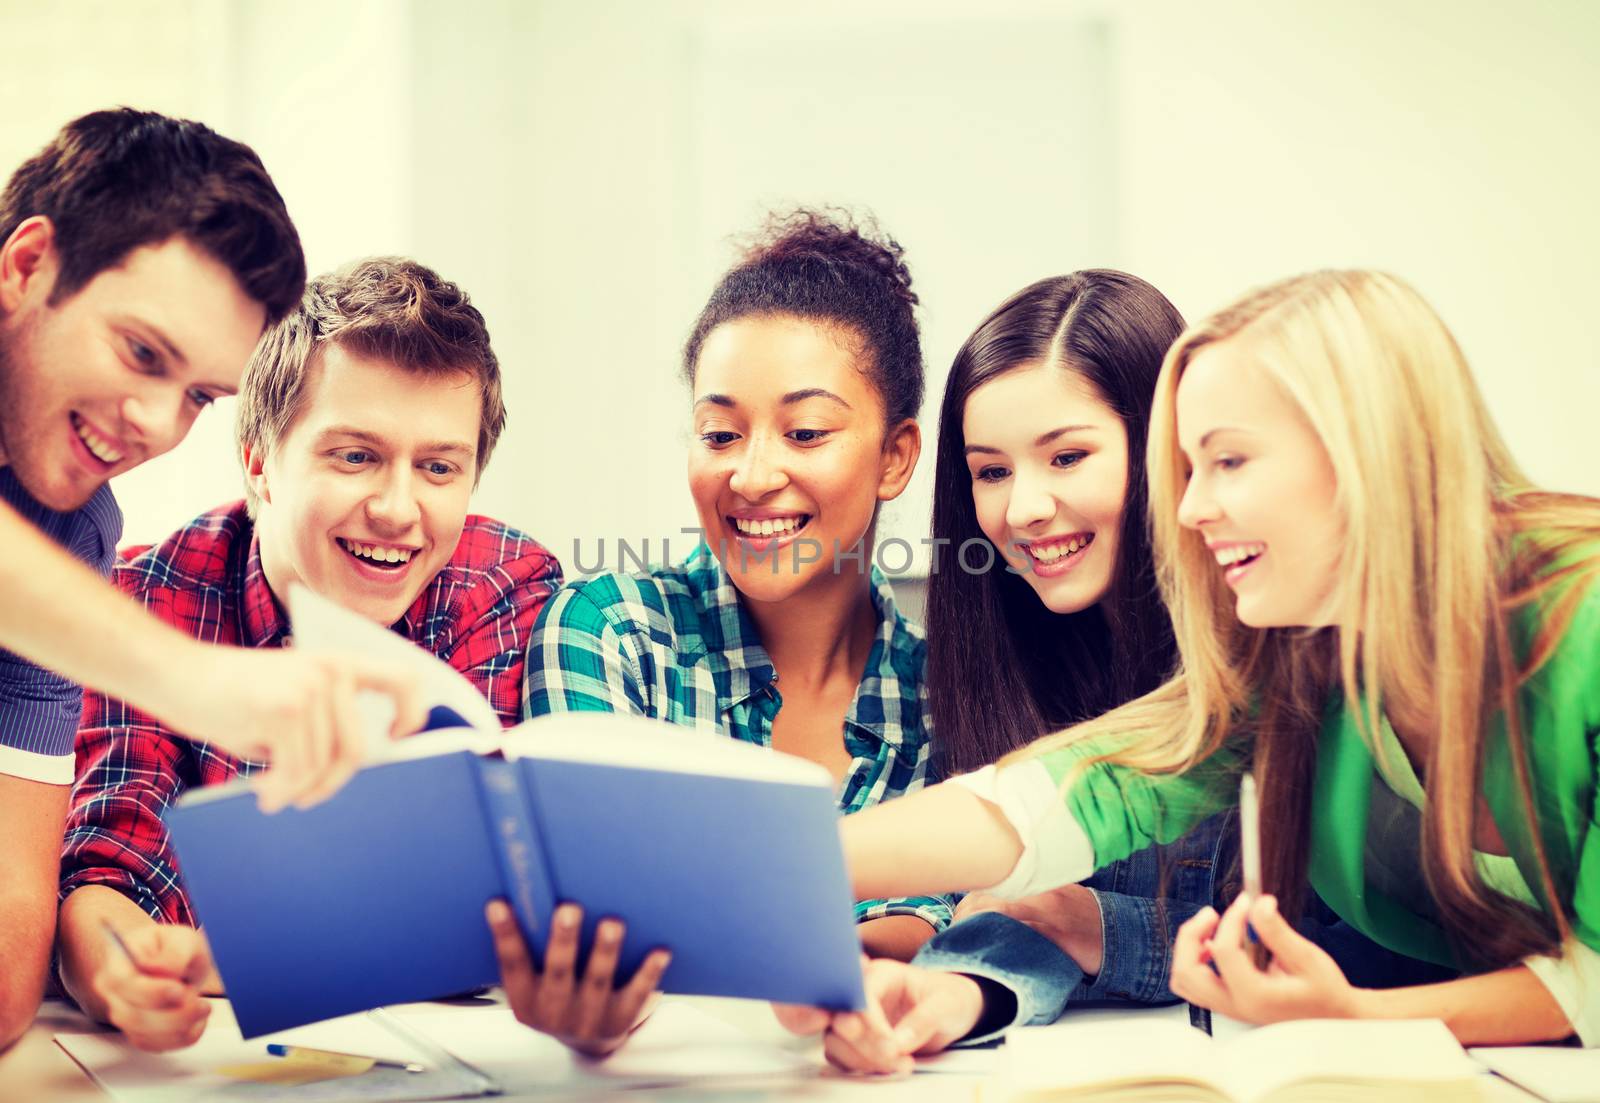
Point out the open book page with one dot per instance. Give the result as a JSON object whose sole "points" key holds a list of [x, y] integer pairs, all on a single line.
{"points": [[611, 739], [323, 626], [1131, 1050], [222, 1065], [1559, 1074], [1395, 1052]]}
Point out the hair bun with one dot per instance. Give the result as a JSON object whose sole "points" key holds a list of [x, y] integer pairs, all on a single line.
{"points": [[833, 236]]}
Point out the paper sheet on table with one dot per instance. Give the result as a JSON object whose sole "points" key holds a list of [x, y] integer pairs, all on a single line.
{"points": [[222, 1066], [680, 1045], [1556, 1073]]}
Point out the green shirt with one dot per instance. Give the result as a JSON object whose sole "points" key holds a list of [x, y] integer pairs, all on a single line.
{"points": [[1122, 810]]}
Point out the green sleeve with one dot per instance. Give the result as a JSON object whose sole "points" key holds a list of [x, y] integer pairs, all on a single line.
{"points": [[1123, 810], [1564, 714]]}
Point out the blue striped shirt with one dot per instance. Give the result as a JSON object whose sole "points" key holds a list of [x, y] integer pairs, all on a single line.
{"points": [[39, 709]]}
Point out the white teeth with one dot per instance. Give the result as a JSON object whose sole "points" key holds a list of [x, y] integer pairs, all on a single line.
{"points": [[1052, 552], [98, 446], [376, 553], [780, 526], [1236, 553]]}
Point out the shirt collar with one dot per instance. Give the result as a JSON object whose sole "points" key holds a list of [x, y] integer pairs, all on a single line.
{"points": [[732, 645], [733, 648], [266, 624]]}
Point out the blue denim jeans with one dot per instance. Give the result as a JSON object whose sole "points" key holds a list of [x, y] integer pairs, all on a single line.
{"points": [[1138, 916]]}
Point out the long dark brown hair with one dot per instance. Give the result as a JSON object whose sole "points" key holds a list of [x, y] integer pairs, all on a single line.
{"points": [[1002, 668]]}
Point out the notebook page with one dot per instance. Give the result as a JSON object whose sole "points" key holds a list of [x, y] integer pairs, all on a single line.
{"points": [[1341, 1050], [222, 1065], [680, 1045]]}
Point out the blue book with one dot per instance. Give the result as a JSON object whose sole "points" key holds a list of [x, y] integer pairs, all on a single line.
{"points": [[725, 853]]}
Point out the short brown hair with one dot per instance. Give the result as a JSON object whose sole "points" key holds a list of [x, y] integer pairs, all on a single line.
{"points": [[113, 181], [387, 308]]}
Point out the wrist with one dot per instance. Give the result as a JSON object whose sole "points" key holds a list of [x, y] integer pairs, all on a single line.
{"points": [[83, 948], [1071, 918], [987, 1006], [167, 674], [1360, 1003]]}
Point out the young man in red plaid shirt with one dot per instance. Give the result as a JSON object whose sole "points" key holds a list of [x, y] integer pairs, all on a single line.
{"points": [[365, 419]]}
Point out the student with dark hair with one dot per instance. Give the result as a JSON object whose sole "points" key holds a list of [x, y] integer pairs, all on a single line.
{"points": [[806, 373], [140, 259], [1042, 611]]}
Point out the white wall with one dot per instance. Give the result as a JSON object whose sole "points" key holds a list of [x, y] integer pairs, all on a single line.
{"points": [[578, 166]]}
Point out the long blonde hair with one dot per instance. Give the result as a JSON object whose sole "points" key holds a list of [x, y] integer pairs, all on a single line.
{"points": [[1430, 500]]}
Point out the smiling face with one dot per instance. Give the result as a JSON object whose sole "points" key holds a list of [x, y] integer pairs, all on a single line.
{"points": [[365, 497], [1049, 465], [115, 374], [1261, 491], [789, 461]]}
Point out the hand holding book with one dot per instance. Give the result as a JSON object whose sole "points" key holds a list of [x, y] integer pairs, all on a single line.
{"points": [[588, 1013]]}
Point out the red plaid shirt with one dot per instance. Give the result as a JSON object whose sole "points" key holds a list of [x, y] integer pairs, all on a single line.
{"points": [[206, 579]]}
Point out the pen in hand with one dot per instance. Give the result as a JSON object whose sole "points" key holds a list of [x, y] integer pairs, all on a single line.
{"points": [[114, 936], [1250, 854]]}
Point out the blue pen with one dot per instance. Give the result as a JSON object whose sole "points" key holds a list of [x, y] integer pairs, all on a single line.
{"points": [[323, 1056]]}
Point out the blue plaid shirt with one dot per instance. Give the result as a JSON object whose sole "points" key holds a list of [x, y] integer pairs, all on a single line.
{"points": [[675, 644]]}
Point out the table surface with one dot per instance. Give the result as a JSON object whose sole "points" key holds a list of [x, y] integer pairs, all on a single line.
{"points": [[36, 1070]]}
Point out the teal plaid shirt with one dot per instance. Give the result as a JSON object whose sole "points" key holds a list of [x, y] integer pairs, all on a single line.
{"points": [[676, 645]]}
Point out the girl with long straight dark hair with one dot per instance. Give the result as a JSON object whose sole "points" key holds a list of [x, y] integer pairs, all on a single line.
{"points": [[1043, 611], [1016, 652]]}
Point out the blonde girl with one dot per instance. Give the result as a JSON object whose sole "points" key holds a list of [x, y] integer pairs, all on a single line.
{"points": [[1381, 618]]}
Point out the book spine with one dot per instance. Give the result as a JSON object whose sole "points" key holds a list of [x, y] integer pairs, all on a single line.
{"points": [[523, 864]]}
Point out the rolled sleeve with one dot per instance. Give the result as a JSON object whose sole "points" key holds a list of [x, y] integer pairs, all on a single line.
{"points": [[39, 714], [1137, 934], [934, 910], [1573, 980], [1055, 849], [1038, 974], [115, 837]]}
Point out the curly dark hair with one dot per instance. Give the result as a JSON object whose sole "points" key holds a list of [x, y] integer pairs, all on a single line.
{"points": [[113, 181], [827, 265]]}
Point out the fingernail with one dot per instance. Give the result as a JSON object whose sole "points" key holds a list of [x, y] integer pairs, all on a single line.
{"points": [[498, 912], [567, 915]]}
